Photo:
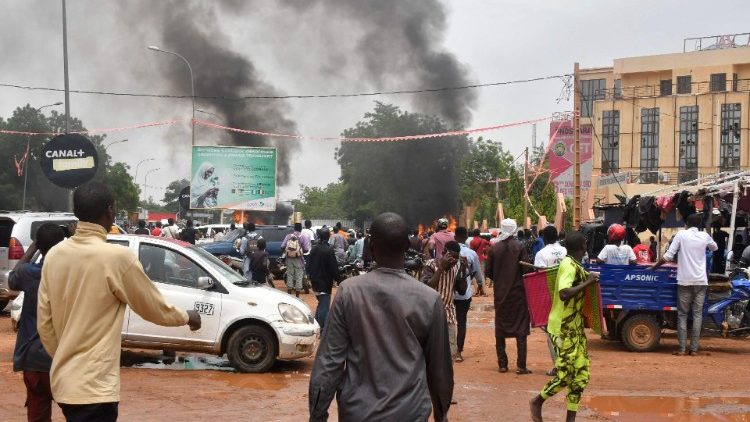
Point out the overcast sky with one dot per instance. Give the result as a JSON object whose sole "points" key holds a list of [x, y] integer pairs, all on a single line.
{"points": [[496, 40]]}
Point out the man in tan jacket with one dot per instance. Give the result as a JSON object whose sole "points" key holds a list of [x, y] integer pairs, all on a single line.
{"points": [[86, 284]]}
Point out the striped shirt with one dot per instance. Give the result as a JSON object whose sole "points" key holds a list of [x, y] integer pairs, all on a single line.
{"points": [[445, 286]]}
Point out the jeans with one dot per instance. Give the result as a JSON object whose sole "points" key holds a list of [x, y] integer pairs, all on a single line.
{"points": [[462, 310], [321, 312], [97, 412], [690, 298], [38, 396], [452, 335], [295, 271]]}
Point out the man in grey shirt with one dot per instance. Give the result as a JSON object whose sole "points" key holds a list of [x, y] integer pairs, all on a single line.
{"points": [[385, 345]]}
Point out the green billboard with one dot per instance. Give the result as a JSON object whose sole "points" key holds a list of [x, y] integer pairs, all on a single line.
{"points": [[241, 178]]}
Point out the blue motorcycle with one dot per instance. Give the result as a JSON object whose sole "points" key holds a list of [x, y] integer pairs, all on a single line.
{"points": [[731, 314]]}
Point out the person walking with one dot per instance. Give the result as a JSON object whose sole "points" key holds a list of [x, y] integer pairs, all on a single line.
{"points": [[565, 326], [323, 269], [551, 255], [29, 355], [384, 352], [259, 264], [248, 246], [142, 228], [171, 231], [481, 246], [85, 288], [511, 311], [156, 231], [436, 244], [339, 244], [188, 234], [294, 246], [462, 302], [308, 231], [689, 248]]}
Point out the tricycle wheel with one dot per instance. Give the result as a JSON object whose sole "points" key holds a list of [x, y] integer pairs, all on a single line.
{"points": [[641, 333]]}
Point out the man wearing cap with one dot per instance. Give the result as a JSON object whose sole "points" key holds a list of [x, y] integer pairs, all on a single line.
{"points": [[436, 244], [511, 311]]}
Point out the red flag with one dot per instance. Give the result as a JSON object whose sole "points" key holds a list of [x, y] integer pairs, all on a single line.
{"points": [[20, 163]]}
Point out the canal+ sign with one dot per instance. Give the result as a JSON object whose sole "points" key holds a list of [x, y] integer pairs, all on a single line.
{"points": [[69, 160]]}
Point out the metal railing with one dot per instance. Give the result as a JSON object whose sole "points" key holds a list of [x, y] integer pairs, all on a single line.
{"points": [[716, 42], [652, 91]]}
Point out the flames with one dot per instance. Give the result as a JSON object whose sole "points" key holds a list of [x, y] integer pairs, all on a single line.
{"points": [[243, 216], [452, 224]]}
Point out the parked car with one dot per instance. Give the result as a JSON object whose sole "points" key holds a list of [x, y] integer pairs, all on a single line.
{"points": [[274, 235], [17, 232], [208, 231], [254, 325]]}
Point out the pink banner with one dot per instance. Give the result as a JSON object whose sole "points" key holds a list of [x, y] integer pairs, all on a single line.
{"points": [[561, 156]]}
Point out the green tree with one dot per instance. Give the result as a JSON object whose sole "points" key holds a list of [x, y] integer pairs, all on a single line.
{"points": [[172, 194], [123, 187], [315, 202], [417, 178]]}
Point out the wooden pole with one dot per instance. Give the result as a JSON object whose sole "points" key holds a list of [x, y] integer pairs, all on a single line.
{"points": [[577, 149], [526, 188]]}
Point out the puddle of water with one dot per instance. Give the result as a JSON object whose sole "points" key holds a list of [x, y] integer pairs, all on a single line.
{"points": [[655, 408]]}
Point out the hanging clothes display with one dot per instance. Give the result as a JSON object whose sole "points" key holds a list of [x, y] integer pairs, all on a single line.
{"points": [[650, 215]]}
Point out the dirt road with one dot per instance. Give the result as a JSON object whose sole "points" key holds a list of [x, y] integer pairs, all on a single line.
{"points": [[624, 387]]}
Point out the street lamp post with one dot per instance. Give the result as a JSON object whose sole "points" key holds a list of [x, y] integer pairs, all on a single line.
{"points": [[145, 178], [114, 142], [137, 166], [192, 86], [28, 153]]}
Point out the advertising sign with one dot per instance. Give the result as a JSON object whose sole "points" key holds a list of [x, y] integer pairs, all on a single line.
{"points": [[241, 178], [614, 179], [562, 156], [69, 160]]}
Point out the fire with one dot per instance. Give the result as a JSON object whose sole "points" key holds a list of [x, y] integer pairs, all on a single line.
{"points": [[452, 224], [243, 216], [420, 229]]}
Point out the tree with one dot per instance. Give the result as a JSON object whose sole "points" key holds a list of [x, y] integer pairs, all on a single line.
{"points": [[417, 178], [172, 194], [315, 202], [124, 189]]}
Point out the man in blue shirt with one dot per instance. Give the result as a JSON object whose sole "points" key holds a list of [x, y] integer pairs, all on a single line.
{"points": [[463, 301], [29, 355]]}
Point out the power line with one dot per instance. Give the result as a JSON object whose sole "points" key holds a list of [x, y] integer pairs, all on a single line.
{"points": [[282, 97]]}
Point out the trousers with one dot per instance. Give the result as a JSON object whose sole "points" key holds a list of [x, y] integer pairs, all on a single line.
{"points": [[572, 365], [690, 299], [295, 272], [502, 357], [462, 311], [321, 311], [38, 396], [97, 412]]}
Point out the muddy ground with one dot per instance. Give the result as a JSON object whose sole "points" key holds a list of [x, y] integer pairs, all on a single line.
{"points": [[624, 386]]}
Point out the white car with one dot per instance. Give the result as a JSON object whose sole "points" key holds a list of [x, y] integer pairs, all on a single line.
{"points": [[254, 325]]}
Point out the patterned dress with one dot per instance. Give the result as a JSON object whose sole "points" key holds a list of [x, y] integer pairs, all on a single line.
{"points": [[565, 327]]}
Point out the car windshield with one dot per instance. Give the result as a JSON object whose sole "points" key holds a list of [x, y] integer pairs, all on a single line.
{"points": [[226, 272]]}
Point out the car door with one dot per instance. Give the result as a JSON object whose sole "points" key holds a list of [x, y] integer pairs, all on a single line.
{"points": [[176, 276], [126, 318]]}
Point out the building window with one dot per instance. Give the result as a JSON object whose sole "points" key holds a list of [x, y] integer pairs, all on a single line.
{"points": [[688, 143], [590, 90], [610, 141], [650, 145], [718, 82], [729, 149], [618, 88], [684, 84], [665, 87]]}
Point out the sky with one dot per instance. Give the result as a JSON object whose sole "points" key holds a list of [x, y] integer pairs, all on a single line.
{"points": [[294, 51]]}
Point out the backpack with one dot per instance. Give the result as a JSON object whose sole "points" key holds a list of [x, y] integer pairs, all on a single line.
{"points": [[252, 246], [293, 249]]}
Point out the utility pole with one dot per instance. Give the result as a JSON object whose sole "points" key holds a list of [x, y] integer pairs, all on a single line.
{"points": [[65, 67], [576, 149], [525, 188]]}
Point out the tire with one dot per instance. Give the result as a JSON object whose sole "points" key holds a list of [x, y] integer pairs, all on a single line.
{"points": [[641, 333], [252, 348]]}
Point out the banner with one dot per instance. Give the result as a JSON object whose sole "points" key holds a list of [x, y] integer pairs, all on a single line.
{"points": [[562, 156], [612, 179], [241, 178]]}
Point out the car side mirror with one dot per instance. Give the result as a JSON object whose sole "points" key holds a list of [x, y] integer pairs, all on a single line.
{"points": [[205, 283]]}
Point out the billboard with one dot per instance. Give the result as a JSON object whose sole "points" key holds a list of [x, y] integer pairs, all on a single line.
{"points": [[561, 156], [241, 178]]}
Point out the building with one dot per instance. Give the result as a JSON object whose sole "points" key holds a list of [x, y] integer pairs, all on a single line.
{"points": [[667, 119]]}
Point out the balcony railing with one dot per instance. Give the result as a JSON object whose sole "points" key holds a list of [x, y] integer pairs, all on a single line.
{"points": [[651, 91], [667, 177]]}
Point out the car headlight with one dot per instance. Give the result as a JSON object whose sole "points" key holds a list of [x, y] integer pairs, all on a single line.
{"points": [[292, 314]]}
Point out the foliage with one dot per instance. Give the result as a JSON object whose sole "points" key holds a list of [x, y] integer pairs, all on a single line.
{"points": [[416, 178], [172, 194], [41, 194], [315, 202]]}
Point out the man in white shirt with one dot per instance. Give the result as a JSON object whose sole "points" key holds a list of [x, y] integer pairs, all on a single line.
{"points": [[692, 279], [308, 231], [552, 253], [615, 252]]}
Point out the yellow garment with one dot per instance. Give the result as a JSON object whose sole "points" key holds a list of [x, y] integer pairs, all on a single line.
{"points": [[86, 284]]}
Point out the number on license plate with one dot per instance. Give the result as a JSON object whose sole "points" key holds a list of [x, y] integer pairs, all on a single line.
{"points": [[204, 308]]}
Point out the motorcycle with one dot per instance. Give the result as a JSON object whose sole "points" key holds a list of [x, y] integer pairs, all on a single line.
{"points": [[413, 263], [729, 307]]}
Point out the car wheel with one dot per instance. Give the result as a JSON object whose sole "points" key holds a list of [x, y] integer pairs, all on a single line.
{"points": [[252, 348], [641, 333]]}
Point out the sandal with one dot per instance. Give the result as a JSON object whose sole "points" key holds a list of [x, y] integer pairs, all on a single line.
{"points": [[523, 371], [503, 370]]}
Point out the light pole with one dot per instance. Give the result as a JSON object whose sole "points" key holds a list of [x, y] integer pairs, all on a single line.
{"points": [[192, 86], [137, 166], [145, 178], [114, 142], [200, 110], [28, 154]]}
